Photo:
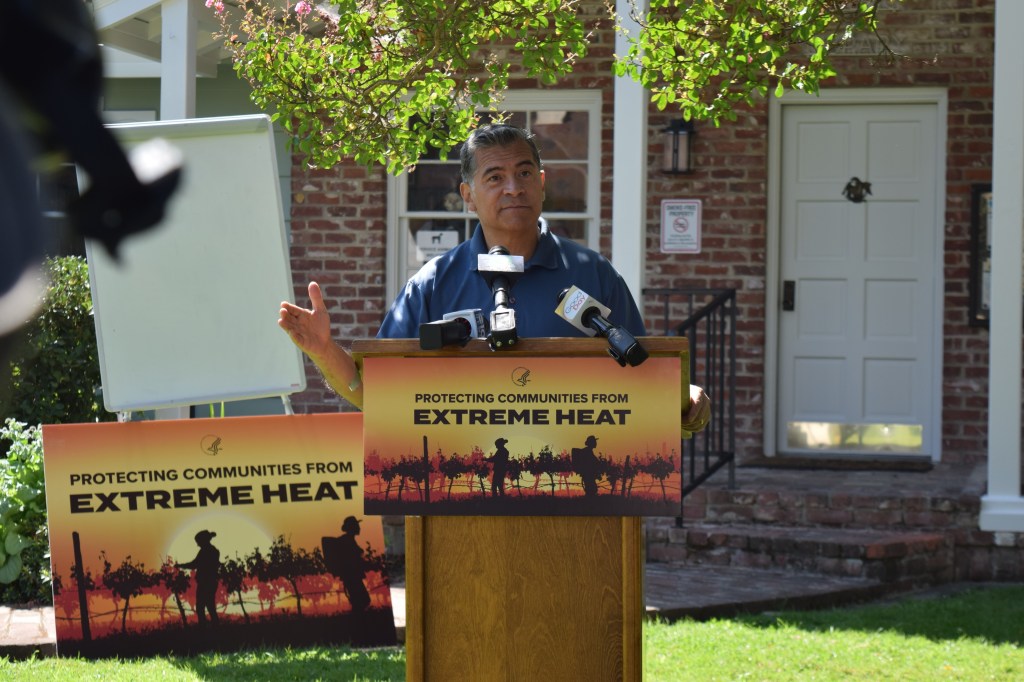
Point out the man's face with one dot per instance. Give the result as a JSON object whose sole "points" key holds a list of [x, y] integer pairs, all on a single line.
{"points": [[507, 191]]}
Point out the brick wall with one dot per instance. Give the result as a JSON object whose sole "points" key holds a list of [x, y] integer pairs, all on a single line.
{"points": [[338, 238], [339, 223]]}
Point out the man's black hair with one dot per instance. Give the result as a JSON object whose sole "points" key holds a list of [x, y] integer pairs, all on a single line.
{"points": [[498, 135]]}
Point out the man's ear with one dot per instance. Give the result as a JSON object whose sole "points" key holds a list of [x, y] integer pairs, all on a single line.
{"points": [[467, 196], [543, 192]]}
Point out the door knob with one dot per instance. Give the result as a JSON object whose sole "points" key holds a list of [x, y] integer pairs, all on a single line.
{"points": [[789, 295]]}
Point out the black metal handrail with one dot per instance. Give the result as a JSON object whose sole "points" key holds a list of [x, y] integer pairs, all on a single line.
{"points": [[710, 326]]}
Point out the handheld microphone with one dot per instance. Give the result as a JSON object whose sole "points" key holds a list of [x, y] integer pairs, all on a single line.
{"points": [[456, 327], [500, 270], [588, 315]]}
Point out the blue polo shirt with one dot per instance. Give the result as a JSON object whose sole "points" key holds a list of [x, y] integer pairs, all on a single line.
{"points": [[451, 282]]}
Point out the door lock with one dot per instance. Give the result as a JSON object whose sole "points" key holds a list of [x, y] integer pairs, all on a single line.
{"points": [[789, 295]]}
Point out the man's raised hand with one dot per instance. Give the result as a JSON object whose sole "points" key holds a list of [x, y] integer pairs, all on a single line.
{"points": [[309, 329]]}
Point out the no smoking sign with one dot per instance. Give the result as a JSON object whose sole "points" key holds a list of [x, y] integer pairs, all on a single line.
{"points": [[680, 226]]}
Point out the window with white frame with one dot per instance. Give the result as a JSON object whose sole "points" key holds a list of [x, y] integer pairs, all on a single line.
{"points": [[426, 215]]}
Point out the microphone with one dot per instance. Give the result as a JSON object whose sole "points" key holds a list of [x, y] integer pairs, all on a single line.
{"points": [[500, 270], [455, 327], [590, 316]]}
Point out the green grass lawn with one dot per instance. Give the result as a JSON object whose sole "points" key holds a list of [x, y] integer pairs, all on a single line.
{"points": [[975, 635]]}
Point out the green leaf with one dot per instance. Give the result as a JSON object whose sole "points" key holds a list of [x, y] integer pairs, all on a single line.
{"points": [[10, 570], [14, 543]]}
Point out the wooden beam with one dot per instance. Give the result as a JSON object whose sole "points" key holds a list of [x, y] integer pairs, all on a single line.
{"points": [[113, 13]]}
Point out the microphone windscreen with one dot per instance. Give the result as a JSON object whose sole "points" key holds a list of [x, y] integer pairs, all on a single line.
{"points": [[572, 305]]}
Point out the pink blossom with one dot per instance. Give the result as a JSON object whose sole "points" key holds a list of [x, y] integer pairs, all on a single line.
{"points": [[217, 5], [302, 8]]}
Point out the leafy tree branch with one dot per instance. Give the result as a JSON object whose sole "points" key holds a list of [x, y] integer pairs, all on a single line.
{"points": [[386, 81]]}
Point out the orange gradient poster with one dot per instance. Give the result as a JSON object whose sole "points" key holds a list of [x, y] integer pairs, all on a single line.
{"points": [[213, 534], [522, 436]]}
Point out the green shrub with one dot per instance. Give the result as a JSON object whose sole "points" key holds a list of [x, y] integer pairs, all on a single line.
{"points": [[55, 378], [24, 540]]}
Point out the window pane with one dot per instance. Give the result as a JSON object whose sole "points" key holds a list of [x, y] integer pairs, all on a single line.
{"points": [[515, 118], [435, 187], [565, 188], [561, 134], [429, 237], [827, 436], [575, 230]]}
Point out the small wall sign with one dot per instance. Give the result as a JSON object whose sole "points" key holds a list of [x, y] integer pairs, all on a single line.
{"points": [[680, 225]]}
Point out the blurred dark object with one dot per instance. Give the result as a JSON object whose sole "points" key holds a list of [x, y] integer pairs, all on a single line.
{"points": [[51, 78]]}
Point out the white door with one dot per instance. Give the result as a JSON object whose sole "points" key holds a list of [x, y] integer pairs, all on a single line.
{"points": [[859, 279]]}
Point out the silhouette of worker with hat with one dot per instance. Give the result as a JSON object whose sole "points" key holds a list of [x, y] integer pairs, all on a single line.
{"points": [[344, 558], [499, 467], [207, 569], [585, 464]]}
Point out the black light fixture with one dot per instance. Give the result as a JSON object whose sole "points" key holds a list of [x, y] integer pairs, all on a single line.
{"points": [[678, 141]]}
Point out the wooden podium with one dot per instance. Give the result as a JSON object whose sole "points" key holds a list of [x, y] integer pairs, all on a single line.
{"points": [[528, 597]]}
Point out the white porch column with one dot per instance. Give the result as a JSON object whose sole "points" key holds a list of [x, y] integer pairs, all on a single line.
{"points": [[178, 59], [177, 88], [1002, 509], [629, 171]]}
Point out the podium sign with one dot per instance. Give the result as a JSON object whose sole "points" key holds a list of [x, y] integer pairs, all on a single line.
{"points": [[532, 596], [512, 435], [208, 534]]}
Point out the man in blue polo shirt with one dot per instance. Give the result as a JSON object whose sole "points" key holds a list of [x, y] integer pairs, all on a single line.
{"points": [[503, 183]]}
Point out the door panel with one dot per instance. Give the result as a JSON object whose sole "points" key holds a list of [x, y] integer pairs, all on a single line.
{"points": [[855, 353]]}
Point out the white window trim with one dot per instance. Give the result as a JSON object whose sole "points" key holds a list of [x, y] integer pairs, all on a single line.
{"points": [[515, 100]]}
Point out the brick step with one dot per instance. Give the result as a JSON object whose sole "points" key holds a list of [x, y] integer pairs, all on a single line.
{"points": [[903, 558], [947, 498]]}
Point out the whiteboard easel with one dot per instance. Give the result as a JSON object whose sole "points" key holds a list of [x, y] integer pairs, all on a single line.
{"points": [[188, 314]]}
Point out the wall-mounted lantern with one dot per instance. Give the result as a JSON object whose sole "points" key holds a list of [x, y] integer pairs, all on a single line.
{"points": [[678, 141]]}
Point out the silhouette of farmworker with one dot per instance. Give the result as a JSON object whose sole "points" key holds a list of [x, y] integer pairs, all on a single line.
{"points": [[207, 568], [584, 463], [499, 467], [344, 558]]}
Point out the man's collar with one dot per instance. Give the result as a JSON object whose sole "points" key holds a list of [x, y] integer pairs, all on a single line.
{"points": [[544, 256], [546, 253]]}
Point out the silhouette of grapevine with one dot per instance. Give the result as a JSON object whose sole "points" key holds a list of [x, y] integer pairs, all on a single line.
{"points": [[88, 582], [515, 473], [128, 580], [482, 471], [388, 473], [177, 582], [472, 462], [613, 472], [233, 576], [372, 468], [561, 465], [285, 562], [628, 476], [434, 473], [546, 465], [453, 468], [660, 469], [412, 469]]}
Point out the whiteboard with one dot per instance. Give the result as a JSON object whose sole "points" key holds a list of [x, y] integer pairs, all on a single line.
{"points": [[188, 314]]}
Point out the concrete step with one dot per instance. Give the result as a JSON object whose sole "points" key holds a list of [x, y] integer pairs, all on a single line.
{"points": [[902, 559]]}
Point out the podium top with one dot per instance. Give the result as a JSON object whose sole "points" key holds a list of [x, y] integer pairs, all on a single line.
{"points": [[551, 347]]}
